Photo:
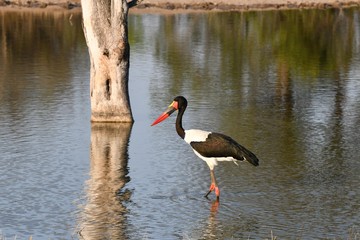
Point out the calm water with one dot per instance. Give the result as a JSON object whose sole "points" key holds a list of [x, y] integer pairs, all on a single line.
{"points": [[285, 84]]}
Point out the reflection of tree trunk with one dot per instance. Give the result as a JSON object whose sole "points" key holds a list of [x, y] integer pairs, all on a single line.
{"points": [[283, 88], [4, 44], [3, 51], [104, 215], [338, 116]]}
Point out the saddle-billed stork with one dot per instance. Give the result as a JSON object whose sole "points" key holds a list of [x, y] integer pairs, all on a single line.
{"points": [[210, 147]]}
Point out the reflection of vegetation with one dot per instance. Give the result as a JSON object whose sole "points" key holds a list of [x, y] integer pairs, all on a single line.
{"points": [[308, 41], [30, 42], [136, 31], [24, 33], [223, 50]]}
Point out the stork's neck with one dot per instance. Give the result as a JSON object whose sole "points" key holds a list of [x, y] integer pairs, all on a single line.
{"points": [[179, 128]]}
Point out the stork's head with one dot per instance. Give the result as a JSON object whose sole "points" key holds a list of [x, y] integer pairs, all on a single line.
{"points": [[178, 103]]}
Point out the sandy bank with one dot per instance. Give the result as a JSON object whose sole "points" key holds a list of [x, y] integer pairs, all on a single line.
{"points": [[187, 5], [234, 5]]}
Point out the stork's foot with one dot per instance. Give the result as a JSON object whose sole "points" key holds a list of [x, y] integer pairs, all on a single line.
{"points": [[215, 188]]}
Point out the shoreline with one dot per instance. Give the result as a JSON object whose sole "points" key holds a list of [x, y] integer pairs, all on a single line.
{"points": [[244, 5], [175, 6]]}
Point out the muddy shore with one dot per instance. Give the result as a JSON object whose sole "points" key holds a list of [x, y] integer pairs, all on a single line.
{"points": [[190, 5]]}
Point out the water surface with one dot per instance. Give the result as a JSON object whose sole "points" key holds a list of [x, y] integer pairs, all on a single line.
{"points": [[286, 84]]}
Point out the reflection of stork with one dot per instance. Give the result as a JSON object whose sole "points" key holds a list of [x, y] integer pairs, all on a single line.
{"points": [[210, 147]]}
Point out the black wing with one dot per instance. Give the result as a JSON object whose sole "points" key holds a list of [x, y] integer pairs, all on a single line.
{"points": [[220, 145]]}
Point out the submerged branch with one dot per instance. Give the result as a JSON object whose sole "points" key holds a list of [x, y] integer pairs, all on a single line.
{"points": [[134, 3]]}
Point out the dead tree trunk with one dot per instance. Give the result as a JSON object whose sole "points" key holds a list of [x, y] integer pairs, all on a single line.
{"points": [[106, 33]]}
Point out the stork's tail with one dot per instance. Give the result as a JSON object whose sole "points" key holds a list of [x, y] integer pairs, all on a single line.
{"points": [[249, 156]]}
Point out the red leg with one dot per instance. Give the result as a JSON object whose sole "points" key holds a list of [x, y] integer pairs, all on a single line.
{"points": [[213, 186], [217, 192]]}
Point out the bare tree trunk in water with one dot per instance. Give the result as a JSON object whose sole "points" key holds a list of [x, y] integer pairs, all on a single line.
{"points": [[106, 33]]}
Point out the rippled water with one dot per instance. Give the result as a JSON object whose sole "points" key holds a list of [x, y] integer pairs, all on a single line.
{"points": [[271, 80]]}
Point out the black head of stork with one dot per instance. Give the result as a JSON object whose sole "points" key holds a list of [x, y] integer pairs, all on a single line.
{"points": [[209, 146], [179, 103]]}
